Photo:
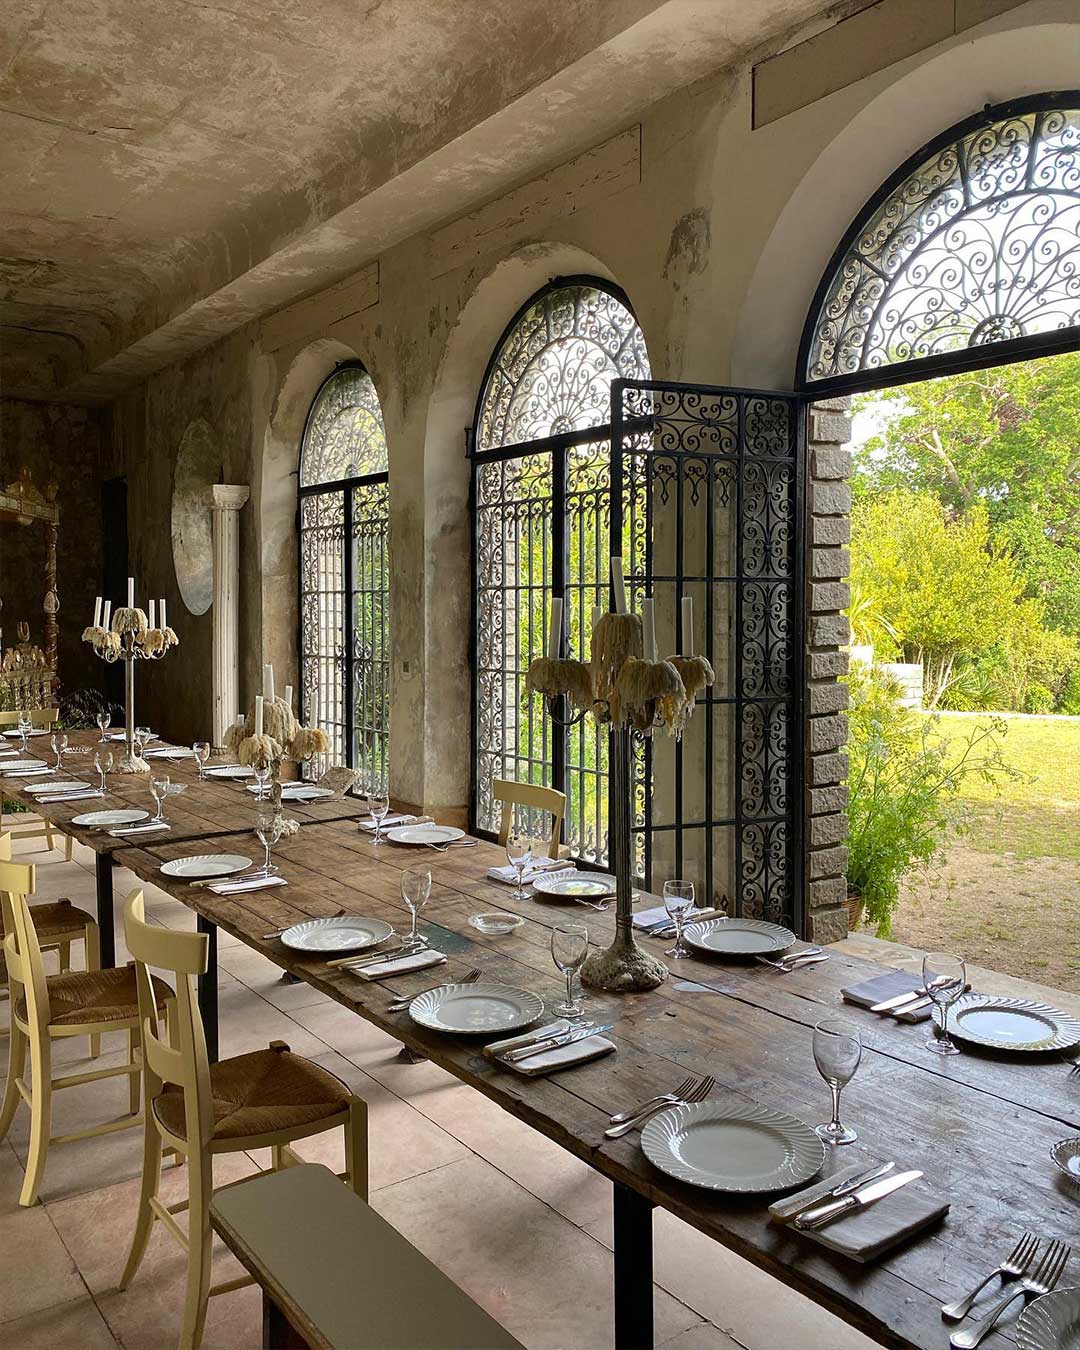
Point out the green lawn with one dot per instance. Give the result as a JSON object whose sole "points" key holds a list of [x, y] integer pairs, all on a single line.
{"points": [[1040, 816]]}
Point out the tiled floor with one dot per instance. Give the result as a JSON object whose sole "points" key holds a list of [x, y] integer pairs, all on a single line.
{"points": [[516, 1221]]}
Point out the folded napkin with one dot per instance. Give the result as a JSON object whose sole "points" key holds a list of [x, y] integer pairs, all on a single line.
{"points": [[889, 985], [646, 918], [404, 965], [388, 821], [139, 829], [865, 1235], [552, 866], [72, 796], [246, 884], [548, 1061], [36, 770]]}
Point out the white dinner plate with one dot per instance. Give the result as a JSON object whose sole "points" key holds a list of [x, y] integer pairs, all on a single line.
{"points": [[424, 834], [297, 792], [130, 817], [17, 735], [1051, 1322], [344, 934], [1019, 1024], [733, 1145], [122, 736], [13, 765], [35, 789], [206, 865], [585, 885], [230, 771], [476, 1009], [738, 937], [170, 752]]}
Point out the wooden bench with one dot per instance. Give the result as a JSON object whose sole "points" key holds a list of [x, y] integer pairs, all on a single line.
{"points": [[336, 1275]]}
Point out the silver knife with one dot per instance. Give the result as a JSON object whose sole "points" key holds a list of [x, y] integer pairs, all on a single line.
{"points": [[820, 1215], [553, 1043], [861, 1178]]}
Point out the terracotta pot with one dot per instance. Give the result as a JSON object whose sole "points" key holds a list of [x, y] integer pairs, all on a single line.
{"points": [[855, 908]]}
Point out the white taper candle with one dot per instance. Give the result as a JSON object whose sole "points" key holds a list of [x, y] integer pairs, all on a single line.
{"points": [[161, 613], [97, 612], [554, 645], [597, 614], [648, 623], [107, 614], [258, 714], [618, 582], [268, 682], [288, 696], [687, 625], [152, 616], [131, 592]]}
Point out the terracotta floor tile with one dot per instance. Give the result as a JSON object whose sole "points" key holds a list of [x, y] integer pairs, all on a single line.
{"points": [[69, 1326], [36, 1271]]}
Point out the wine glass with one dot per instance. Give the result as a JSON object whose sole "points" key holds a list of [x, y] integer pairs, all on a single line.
{"points": [[201, 751], [837, 1052], [104, 722], [519, 853], [378, 803], [59, 745], [143, 737], [159, 790], [26, 725], [103, 762], [569, 948], [261, 770], [415, 891], [945, 979], [268, 827], [679, 901]]}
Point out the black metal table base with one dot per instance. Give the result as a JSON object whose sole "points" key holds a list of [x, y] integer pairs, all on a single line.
{"points": [[633, 1269], [208, 989], [106, 913]]}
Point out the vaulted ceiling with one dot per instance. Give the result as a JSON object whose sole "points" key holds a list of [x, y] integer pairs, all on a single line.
{"points": [[170, 169]]}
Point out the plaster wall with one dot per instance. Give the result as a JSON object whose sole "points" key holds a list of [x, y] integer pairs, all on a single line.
{"points": [[719, 241]]}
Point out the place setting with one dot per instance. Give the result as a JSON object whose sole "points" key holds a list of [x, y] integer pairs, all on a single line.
{"points": [[528, 863], [1049, 1319]]}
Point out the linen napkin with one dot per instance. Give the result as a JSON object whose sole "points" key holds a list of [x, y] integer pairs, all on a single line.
{"points": [[72, 796], [139, 829], [645, 918], [404, 965], [552, 866], [391, 820], [549, 1061], [34, 770], [889, 985], [865, 1235], [252, 884]]}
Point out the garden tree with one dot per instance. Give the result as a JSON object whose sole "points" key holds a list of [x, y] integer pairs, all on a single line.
{"points": [[943, 589], [1006, 440]]}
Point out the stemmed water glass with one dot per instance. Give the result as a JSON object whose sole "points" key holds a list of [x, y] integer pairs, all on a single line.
{"points": [[103, 762], [261, 770], [59, 745], [416, 892], [519, 852], [159, 790], [268, 827], [837, 1052], [679, 901], [945, 979], [26, 725], [143, 736], [378, 803], [569, 948], [104, 722], [201, 751]]}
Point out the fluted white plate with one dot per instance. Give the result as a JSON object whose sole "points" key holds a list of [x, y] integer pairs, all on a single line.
{"points": [[1019, 1024], [205, 865], [733, 1145], [424, 834], [47, 788], [230, 771], [476, 1009], [1051, 1322], [130, 817], [16, 735], [584, 884], [739, 937], [170, 752], [11, 765], [347, 933]]}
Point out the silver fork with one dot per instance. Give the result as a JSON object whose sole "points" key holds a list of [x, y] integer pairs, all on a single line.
{"points": [[676, 1094], [697, 1093], [400, 1004], [1045, 1277], [1014, 1265], [808, 956]]}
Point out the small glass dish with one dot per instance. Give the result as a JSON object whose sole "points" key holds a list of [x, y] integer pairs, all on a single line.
{"points": [[496, 922], [1066, 1158]]}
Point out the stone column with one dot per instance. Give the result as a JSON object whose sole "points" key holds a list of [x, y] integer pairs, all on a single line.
{"points": [[826, 795], [225, 502]]}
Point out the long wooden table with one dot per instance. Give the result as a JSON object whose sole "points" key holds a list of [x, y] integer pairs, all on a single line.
{"points": [[981, 1128]]}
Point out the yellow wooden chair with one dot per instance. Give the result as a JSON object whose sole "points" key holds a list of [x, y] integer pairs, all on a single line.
{"points": [[41, 717], [45, 1008], [266, 1099], [530, 796]]}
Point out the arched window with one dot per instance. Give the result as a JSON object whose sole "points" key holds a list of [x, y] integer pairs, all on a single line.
{"points": [[344, 574], [540, 448], [968, 256]]}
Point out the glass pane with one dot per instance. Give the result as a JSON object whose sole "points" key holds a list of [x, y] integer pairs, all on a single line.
{"points": [[322, 620], [371, 635], [345, 436]]}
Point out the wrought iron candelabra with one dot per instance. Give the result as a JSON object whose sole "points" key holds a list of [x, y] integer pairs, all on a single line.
{"points": [[129, 635]]}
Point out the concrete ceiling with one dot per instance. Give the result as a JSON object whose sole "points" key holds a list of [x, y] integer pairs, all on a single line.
{"points": [[171, 169]]}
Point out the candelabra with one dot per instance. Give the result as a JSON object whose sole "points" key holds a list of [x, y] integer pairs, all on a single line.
{"points": [[129, 635]]}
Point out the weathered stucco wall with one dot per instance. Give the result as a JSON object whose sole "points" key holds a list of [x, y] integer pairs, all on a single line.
{"points": [[62, 445]]}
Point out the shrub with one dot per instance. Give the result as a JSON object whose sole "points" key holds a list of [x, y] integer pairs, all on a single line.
{"points": [[1039, 699], [1069, 698], [905, 783]]}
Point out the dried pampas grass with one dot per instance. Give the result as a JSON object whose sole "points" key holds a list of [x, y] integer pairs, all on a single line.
{"points": [[153, 641], [90, 634], [641, 686], [696, 674], [259, 750], [308, 741], [171, 640], [551, 677], [129, 621], [616, 638]]}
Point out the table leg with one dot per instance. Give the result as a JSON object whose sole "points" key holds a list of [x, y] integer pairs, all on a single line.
{"points": [[208, 989], [278, 1333], [106, 914], [633, 1270]]}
